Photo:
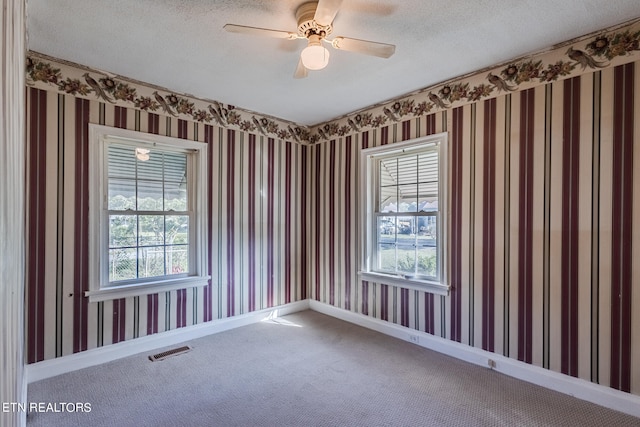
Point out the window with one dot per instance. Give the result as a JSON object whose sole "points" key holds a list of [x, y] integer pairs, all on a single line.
{"points": [[404, 224], [146, 213]]}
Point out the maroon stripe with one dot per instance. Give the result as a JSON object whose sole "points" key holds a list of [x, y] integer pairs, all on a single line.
{"points": [[332, 220], [488, 226], [569, 263], [622, 210], [456, 225], [406, 130], [154, 123], [404, 307], [120, 119], [384, 135], [347, 228], [118, 320], [42, 137], [182, 129], [429, 317], [384, 302], [365, 284], [303, 224], [252, 223], [431, 124], [287, 220], [207, 294], [231, 190], [115, 329], [81, 234], [152, 314], [31, 249], [35, 230], [365, 297], [182, 313], [270, 219], [123, 314], [525, 226], [317, 228], [123, 318]]}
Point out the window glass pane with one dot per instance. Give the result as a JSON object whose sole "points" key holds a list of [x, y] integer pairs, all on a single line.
{"points": [[406, 244], [123, 230], [177, 259], [122, 264], [388, 199], [387, 257], [150, 196], [122, 194], [121, 162], [151, 261], [151, 230], [407, 169], [428, 197], [151, 169], [388, 172], [175, 168], [428, 166], [406, 259], [427, 242], [176, 229], [406, 228], [408, 198], [175, 196], [387, 229], [427, 261]]}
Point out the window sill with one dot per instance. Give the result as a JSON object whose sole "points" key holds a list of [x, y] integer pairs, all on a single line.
{"points": [[133, 290], [420, 285]]}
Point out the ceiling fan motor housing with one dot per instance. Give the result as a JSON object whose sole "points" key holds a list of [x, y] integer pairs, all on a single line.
{"points": [[306, 23]]}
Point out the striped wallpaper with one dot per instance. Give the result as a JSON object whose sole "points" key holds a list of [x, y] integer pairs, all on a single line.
{"points": [[543, 197], [544, 191], [257, 188]]}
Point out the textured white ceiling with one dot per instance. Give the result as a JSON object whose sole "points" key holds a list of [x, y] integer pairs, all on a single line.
{"points": [[181, 45]]}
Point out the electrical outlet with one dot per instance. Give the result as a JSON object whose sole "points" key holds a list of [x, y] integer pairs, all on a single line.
{"points": [[414, 339], [492, 364]]}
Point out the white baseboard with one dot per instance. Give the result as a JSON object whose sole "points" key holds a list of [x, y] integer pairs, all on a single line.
{"points": [[53, 367], [581, 389]]}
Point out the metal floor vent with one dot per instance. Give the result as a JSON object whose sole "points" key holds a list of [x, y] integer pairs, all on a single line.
{"points": [[169, 353]]}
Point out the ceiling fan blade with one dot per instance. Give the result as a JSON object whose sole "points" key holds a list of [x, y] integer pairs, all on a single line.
{"points": [[383, 50], [301, 71], [255, 31], [326, 11]]}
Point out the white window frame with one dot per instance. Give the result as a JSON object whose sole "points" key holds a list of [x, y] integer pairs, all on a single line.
{"points": [[99, 287], [368, 228]]}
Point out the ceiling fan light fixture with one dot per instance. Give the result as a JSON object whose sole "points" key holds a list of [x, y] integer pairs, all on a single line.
{"points": [[314, 56]]}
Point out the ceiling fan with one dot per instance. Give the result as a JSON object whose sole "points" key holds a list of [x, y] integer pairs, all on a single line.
{"points": [[315, 23]]}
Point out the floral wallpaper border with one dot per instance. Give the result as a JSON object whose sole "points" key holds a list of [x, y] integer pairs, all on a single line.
{"points": [[605, 49], [49, 74]]}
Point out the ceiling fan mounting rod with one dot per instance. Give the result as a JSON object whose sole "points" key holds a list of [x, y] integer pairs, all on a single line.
{"points": [[305, 16]]}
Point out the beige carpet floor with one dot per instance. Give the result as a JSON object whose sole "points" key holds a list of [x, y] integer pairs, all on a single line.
{"points": [[307, 369]]}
